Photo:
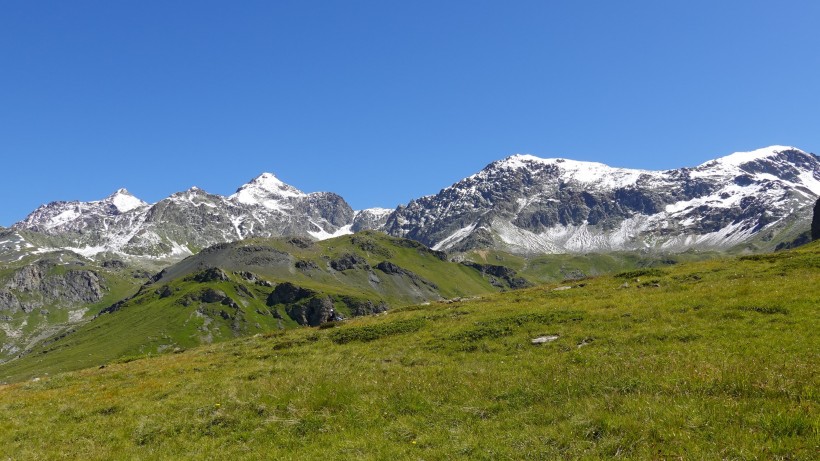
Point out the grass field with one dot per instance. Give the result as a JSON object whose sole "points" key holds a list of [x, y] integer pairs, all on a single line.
{"points": [[704, 360]]}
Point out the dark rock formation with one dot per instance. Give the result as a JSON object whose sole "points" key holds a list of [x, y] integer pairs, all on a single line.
{"points": [[349, 261], [212, 274], [390, 268], [507, 275], [286, 293], [315, 311], [306, 265]]}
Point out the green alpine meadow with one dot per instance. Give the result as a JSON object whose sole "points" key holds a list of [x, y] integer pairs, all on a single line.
{"points": [[711, 359]]}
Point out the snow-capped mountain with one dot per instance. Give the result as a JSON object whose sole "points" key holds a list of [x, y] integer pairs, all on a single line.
{"points": [[59, 217], [527, 204], [187, 221], [523, 204]]}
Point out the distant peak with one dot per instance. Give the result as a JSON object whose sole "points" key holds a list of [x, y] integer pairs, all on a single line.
{"points": [[265, 189], [265, 177], [270, 182], [124, 201]]}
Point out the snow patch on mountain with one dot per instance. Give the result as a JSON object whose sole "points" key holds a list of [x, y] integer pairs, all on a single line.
{"points": [[455, 237], [124, 202], [267, 190], [739, 158], [583, 172], [322, 234]]}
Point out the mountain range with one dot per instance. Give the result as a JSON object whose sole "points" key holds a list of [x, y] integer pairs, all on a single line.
{"points": [[522, 204]]}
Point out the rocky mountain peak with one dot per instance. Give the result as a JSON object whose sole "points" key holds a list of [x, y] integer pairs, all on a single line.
{"points": [[124, 201], [266, 190]]}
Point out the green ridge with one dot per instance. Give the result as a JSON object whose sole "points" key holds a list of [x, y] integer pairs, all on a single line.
{"points": [[151, 323]]}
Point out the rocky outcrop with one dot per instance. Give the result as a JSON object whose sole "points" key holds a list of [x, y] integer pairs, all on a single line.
{"points": [[41, 284], [815, 222], [212, 274], [286, 293], [208, 296], [499, 276], [360, 307], [10, 303], [306, 265], [371, 218], [349, 261], [315, 311], [390, 268]]}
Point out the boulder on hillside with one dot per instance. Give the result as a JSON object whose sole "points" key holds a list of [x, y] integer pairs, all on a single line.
{"points": [[286, 293], [212, 274], [349, 261], [314, 312]]}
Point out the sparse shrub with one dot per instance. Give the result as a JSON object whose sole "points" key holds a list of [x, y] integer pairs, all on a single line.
{"points": [[768, 310], [641, 273]]}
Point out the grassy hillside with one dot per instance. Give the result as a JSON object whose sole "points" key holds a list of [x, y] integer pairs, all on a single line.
{"points": [[192, 303], [556, 267], [708, 360]]}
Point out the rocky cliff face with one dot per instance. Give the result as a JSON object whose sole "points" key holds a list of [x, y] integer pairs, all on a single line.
{"points": [[370, 219], [42, 297], [527, 204], [39, 285]]}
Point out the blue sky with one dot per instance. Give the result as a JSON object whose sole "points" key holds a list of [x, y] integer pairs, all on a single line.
{"points": [[385, 101]]}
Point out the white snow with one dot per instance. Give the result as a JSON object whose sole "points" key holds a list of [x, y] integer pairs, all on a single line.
{"points": [[179, 250], [739, 158], [63, 217], [584, 172], [89, 251], [267, 190], [124, 201], [237, 221], [455, 237], [813, 184], [322, 234]]}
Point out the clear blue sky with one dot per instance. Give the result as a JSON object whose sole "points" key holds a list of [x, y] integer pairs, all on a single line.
{"points": [[385, 101]]}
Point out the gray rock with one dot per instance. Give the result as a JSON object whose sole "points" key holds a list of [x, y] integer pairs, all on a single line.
{"points": [[349, 261], [314, 312], [544, 339]]}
